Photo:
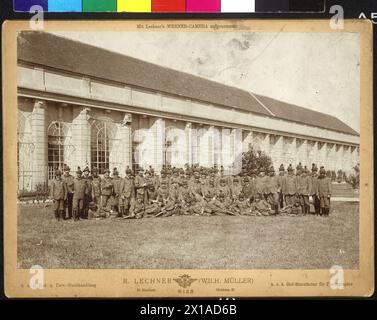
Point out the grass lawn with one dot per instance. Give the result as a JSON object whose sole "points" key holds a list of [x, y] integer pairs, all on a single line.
{"points": [[190, 241]]}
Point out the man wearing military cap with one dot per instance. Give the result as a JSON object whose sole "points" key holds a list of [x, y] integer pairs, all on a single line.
{"points": [[107, 187], [58, 195], [80, 189], [324, 190], [96, 186], [281, 178], [137, 209], [261, 182], [117, 184], [127, 193], [272, 190], [290, 187], [140, 182], [314, 188], [69, 181], [248, 189], [303, 190], [88, 194]]}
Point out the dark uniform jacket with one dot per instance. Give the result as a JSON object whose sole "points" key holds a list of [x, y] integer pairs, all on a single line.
{"points": [[324, 187], [80, 186], [272, 185], [69, 182], [260, 184], [127, 188], [314, 183], [117, 182], [107, 186], [58, 189], [96, 186], [303, 185], [290, 185]]}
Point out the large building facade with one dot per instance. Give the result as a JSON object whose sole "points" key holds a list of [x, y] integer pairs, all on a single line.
{"points": [[84, 106]]}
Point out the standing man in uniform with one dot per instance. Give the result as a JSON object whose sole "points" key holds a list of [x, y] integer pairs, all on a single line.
{"points": [[96, 186], [140, 183], [127, 193], [260, 183], [290, 187], [272, 191], [80, 189], [117, 183], [324, 192], [314, 189], [69, 181], [304, 190], [281, 178], [58, 195], [88, 193], [106, 191]]}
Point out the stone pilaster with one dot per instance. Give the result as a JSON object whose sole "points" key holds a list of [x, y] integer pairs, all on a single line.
{"points": [[125, 134], [158, 129], [276, 150], [188, 133], [81, 138], [39, 139], [247, 142]]}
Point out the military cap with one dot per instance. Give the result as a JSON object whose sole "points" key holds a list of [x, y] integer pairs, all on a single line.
{"points": [[272, 169], [322, 171], [246, 179], [107, 171], [314, 168], [241, 195], [140, 191], [66, 168], [78, 171], [221, 194], [58, 173], [115, 173], [128, 171], [281, 167], [222, 180], [184, 182], [94, 169], [299, 166], [86, 169], [262, 169], [290, 167]]}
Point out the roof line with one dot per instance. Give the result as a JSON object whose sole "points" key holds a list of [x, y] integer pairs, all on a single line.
{"points": [[262, 104]]}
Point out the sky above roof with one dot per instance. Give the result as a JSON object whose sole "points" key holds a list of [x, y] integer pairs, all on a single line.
{"points": [[319, 71]]}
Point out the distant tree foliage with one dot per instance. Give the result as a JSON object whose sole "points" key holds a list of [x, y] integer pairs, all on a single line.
{"points": [[256, 160], [354, 178]]}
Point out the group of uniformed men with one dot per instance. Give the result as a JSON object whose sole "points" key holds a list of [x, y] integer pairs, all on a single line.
{"points": [[191, 191]]}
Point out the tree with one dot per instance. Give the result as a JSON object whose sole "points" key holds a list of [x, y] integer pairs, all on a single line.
{"points": [[255, 160], [354, 178]]}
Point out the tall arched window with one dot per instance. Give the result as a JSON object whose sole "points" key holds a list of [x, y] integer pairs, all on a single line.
{"points": [[103, 134], [57, 147]]}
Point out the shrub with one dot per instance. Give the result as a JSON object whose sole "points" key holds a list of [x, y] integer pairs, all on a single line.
{"points": [[256, 159]]}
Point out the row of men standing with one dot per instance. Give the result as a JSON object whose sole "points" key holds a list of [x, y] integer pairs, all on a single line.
{"points": [[74, 197]]}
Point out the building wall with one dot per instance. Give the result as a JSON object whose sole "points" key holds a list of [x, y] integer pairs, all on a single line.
{"points": [[149, 129]]}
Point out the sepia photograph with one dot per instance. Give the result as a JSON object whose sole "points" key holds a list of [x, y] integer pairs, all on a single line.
{"points": [[203, 151], [190, 158]]}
